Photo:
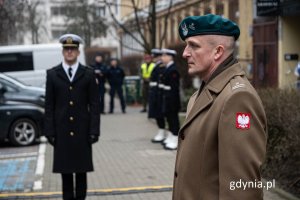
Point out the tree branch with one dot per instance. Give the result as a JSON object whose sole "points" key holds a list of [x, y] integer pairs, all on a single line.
{"points": [[125, 45], [166, 23], [138, 22], [123, 27]]}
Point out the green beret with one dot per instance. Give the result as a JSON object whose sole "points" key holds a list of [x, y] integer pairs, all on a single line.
{"points": [[208, 25]]}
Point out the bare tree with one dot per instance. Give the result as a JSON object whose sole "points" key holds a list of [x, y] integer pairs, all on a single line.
{"points": [[18, 17], [85, 19], [143, 21], [11, 20], [34, 20]]}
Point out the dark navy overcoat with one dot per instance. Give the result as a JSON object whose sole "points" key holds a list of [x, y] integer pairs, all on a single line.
{"points": [[71, 115]]}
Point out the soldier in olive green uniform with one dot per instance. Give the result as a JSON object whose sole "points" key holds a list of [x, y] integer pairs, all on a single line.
{"points": [[223, 138]]}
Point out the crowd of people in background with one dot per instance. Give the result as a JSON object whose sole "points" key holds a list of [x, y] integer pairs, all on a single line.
{"points": [[114, 75], [160, 91]]}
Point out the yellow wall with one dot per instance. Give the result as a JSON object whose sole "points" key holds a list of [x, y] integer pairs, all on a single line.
{"points": [[245, 41], [289, 42], [126, 6]]}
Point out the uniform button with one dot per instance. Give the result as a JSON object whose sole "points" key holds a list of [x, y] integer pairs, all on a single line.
{"points": [[71, 103], [175, 174], [70, 88], [71, 133], [182, 136], [71, 118]]}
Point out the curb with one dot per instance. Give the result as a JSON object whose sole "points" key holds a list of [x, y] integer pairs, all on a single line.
{"points": [[93, 192]]}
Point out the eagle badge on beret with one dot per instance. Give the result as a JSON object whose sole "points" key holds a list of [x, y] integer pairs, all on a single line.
{"points": [[184, 29]]}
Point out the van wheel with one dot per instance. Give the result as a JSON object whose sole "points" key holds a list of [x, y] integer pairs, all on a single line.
{"points": [[23, 132]]}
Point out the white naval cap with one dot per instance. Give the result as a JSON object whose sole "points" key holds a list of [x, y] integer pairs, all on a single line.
{"points": [[169, 52], [70, 40], [156, 52]]}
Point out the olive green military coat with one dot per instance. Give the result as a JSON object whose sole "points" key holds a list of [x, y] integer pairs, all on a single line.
{"points": [[222, 140]]}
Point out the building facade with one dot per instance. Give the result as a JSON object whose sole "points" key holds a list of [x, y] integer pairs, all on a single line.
{"points": [[52, 16], [276, 43], [267, 49], [169, 16]]}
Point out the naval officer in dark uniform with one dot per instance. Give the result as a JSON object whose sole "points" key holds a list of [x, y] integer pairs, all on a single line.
{"points": [[72, 118], [155, 96], [171, 97]]}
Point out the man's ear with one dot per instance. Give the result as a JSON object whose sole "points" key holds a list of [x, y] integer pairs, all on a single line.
{"points": [[219, 51]]}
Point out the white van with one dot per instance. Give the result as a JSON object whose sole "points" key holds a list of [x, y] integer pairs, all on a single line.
{"points": [[29, 63]]}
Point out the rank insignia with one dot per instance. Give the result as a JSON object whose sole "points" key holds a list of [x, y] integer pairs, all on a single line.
{"points": [[242, 120]]}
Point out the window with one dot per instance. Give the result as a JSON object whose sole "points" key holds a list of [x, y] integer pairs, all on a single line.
{"points": [[100, 11], [55, 11], [20, 61], [10, 87], [220, 8]]}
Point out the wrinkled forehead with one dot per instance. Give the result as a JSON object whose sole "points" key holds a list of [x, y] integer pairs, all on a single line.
{"points": [[198, 39]]}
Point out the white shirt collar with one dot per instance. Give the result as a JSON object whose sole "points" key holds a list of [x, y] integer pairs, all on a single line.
{"points": [[169, 64], [74, 69]]}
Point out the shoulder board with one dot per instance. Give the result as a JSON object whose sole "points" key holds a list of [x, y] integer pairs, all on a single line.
{"points": [[237, 83]]}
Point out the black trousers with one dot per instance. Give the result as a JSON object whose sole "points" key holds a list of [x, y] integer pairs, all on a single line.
{"points": [[173, 122], [119, 91], [68, 186], [102, 96], [160, 121], [145, 93]]}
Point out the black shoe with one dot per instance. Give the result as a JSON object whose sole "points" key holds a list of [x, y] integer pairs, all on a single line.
{"points": [[144, 110], [111, 112], [102, 113], [123, 111]]}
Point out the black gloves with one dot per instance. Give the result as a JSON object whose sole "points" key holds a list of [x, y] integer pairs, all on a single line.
{"points": [[51, 140], [93, 139]]}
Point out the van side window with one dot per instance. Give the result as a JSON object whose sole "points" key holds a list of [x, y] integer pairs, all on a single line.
{"points": [[21, 61]]}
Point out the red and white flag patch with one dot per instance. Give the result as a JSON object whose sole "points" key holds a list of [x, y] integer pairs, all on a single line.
{"points": [[242, 120]]}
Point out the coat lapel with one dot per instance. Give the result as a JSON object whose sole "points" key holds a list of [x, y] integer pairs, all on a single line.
{"points": [[215, 86], [61, 73], [200, 103], [79, 73]]}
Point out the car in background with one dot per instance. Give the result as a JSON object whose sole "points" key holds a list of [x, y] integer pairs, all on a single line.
{"points": [[21, 123], [21, 111], [15, 90]]}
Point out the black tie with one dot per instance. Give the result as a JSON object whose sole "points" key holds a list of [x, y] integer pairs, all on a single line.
{"points": [[70, 72]]}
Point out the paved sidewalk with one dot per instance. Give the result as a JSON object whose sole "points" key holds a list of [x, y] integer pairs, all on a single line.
{"points": [[124, 157], [125, 162]]}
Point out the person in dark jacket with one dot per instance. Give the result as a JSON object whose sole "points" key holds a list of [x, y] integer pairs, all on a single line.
{"points": [[115, 77], [101, 72], [171, 97], [72, 118]]}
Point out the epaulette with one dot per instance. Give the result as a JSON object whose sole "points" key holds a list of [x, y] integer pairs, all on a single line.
{"points": [[237, 83]]}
